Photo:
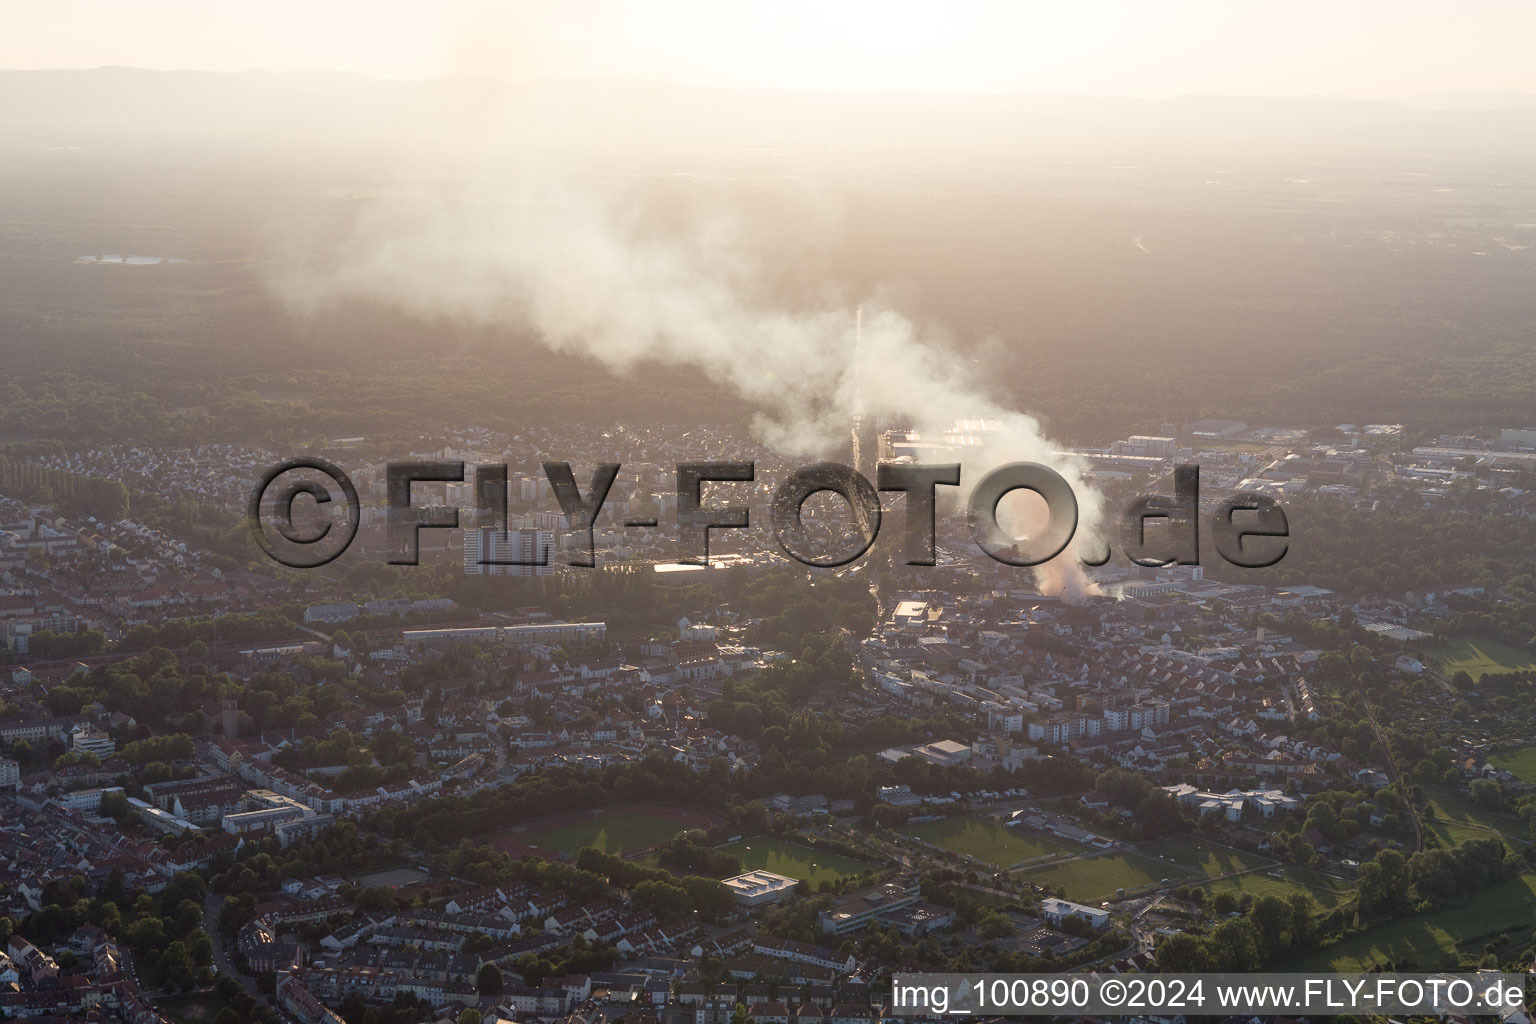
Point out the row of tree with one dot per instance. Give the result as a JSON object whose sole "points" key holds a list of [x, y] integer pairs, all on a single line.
{"points": [[1391, 885], [664, 894], [73, 495], [1268, 929]]}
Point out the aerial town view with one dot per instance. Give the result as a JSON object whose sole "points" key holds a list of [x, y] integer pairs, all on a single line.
{"points": [[697, 513]]}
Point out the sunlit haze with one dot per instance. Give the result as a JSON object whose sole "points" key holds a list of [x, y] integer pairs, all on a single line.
{"points": [[767, 511], [1371, 48]]}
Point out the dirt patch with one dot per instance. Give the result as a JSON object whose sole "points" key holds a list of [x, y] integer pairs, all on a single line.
{"points": [[395, 878]]}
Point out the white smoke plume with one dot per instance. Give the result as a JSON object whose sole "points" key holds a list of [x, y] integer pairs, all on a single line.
{"points": [[586, 278]]}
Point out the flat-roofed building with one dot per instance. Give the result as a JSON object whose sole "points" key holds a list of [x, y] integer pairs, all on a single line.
{"points": [[911, 613], [945, 752], [754, 888], [1057, 911], [855, 911]]}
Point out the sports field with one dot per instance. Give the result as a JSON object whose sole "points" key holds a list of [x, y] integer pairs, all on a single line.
{"points": [[1434, 940], [987, 840], [1090, 879], [1476, 656], [611, 830], [814, 866], [395, 878]]}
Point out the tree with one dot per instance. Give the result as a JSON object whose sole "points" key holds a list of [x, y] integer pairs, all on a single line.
{"points": [[469, 1016], [1382, 885], [174, 966], [186, 917], [1487, 794], [667, 901], [1181, 953], [374, 899], [1272, 918], [116, 807], [710, 898], [995, 926], [489, 981], [1303, 921], [1234, 946], [146, 933], [1394, 873]]}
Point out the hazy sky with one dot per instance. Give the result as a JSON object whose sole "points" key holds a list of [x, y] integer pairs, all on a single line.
{"points": [[1153, 48]]}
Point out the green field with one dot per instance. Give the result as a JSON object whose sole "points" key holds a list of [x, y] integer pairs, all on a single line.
{"points": [[1453, 808], [612, 832], [1477, 656], [1177, 861], [1328, 891], [987, 840], [1452, 834], [1437, 939], [1520, 760], [1096, 878], [814, 866], [1205, 858]]}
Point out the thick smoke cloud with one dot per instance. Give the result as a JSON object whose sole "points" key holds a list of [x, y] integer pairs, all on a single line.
{"points": [[585, 276]]}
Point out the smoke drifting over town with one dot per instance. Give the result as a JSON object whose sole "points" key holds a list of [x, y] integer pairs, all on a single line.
{"points": [[582, 274]]}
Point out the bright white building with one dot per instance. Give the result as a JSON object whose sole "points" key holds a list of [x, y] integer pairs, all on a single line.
{"points": [[755, 888], [1057, 911], [515, 546]]}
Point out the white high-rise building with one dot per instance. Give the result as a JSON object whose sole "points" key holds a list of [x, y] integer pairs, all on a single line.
{"points": [[534, 488], [515, 546]]}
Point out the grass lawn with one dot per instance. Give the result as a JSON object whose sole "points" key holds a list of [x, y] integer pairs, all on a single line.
{"points": [[1477, 656], [1437, 939], [1203, 857], [1284, 882], [1096, 878], [1183, 859], [814, 866], [1452, 833], [1520, 760], [1453, 808], [988, 840], [615, 832]]}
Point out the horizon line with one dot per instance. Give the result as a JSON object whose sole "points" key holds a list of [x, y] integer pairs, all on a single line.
{"points": [[1399, 100]]}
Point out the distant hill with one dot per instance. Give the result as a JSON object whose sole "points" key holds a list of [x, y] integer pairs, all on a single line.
{"points": [[257, 108], [1483, 100]]}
